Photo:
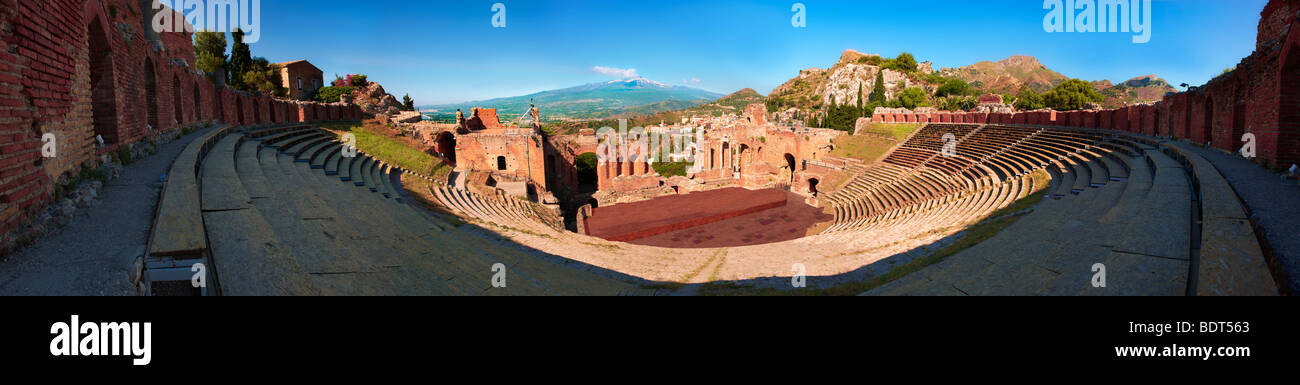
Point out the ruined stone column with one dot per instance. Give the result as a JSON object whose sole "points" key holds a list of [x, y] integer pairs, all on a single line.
{"points": [[602, 174]]}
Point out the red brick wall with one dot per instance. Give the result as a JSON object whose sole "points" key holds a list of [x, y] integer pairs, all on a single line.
{"points": [[79, 69]]}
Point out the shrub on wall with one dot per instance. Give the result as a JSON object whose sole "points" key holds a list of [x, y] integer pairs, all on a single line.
{"points": [[331, 94]]}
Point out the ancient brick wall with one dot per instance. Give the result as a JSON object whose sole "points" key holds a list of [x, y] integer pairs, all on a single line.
{"points": [[85, 71]]}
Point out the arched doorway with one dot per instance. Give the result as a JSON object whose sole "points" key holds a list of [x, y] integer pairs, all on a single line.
{"points": [[239, 110], [103, 94], [501, 163], [257, 111], [446, 146], [150, 94], [1185, 131], [726, 156], [740, 159], [812, 186], [588, 179], [1157, 130], [789, 163], [1289, 110], [219, 105], [198, 103], [178, 112], [1207, 133], [1238, 119]]}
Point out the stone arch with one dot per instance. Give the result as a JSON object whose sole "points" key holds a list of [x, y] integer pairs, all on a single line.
{"points": [[150, 94], [103, 92], [1185, 131], [198, 102], [257, 110], [587, 176], [812, 186], [740, 160], [178, 114], [790, 163], [1207, 132], [726, 156], [1239, 111], [239, 110], [445, 145], [1289, 110], [1156, 128], [219, 105]]}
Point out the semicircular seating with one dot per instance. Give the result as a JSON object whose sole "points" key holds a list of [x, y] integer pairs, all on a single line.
{"points": [[284, 211]]}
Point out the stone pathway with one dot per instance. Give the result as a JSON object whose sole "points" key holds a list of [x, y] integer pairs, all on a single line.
{"points": [[1274, 204], [93, 255]]}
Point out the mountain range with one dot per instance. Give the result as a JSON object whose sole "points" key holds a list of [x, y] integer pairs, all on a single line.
{"points": [[852, 75], [814, 88], [633, 96]]}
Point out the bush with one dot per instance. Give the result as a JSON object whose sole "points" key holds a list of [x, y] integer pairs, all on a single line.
{"points": [[1072, 94], [331, 94], [914, 97], [952, 87], [358, 80], [1028, 100]]}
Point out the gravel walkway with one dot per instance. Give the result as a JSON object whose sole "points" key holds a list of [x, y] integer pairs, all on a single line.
{"points": [[94, 253], [1274, 204]]}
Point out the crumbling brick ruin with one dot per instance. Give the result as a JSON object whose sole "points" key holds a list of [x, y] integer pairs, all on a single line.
{"points": [[93, 70]]}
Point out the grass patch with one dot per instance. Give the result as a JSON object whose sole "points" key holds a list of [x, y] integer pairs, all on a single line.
{"points": [[100, 174], [862, 147], [898, 131], [974, 234], [669, 169], [392, 150], [879, 138]]}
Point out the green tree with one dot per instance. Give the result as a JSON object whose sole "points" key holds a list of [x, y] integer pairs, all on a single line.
{"points": [[1072, 94], [408, 103], [210, 51], [241, 60], [264, 77], [958, 103], [952, 87], [878, 94], [913, 97], [1027, 100], [904, 63]]}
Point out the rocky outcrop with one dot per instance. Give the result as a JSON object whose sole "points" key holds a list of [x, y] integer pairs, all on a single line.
{"points": [[374, 100]]}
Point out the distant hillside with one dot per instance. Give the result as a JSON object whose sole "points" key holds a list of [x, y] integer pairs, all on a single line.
{"points": [[815, 88], [1008, 75], [592, 101], [730, 104], [1136, 90], [734, 103]]}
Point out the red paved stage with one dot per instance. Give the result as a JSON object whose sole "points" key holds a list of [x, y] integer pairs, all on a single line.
{"points": [[632, 221]]}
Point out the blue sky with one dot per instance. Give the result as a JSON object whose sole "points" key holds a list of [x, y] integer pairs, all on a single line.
{"points": [[448, 51]]}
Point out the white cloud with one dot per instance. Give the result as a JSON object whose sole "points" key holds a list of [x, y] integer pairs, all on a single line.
{"points": [[691, 81], [615, 72]]}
